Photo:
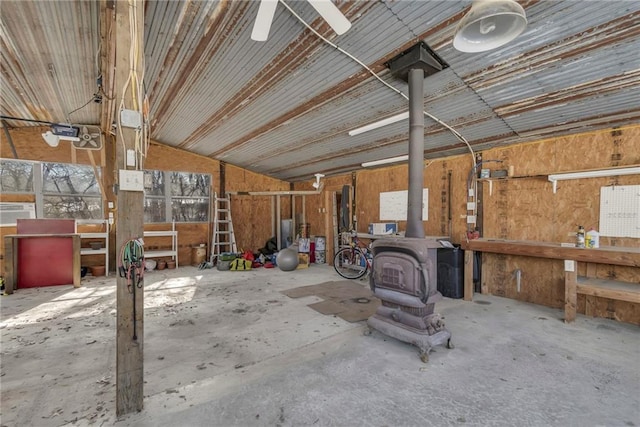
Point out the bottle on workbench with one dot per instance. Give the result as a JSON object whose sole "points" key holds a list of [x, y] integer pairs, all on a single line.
{"points": [[580, 237], [593, 239]]}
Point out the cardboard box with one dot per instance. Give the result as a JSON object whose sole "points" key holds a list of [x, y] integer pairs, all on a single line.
{"points": [[304, 245], [303, 260], [383, 228]]}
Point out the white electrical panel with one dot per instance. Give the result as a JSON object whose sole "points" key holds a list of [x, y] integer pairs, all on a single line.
{"points": [[130, 119], [131, 180]]}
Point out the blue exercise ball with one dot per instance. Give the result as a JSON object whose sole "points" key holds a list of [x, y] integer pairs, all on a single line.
{"points": [[287, 260]]}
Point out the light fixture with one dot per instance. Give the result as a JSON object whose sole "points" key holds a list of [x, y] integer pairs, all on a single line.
{"points": [[635, 170], [385, 161], [379, 123], [325, 8], [316, 184], [488, 25]]}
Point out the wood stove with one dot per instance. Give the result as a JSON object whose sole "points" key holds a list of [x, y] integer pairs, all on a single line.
{"points": [[404, 277], [404, 273]]}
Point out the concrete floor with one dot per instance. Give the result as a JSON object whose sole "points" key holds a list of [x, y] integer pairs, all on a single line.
{"points": [[229, 349]]}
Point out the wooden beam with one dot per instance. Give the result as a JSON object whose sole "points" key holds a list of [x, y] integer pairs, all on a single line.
{"points": [[129, 224], [107, 65], [468, 275]]}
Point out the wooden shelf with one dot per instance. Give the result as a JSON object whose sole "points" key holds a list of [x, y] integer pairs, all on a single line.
{"points": [[104, 235], [173, 252], [158, 254]]}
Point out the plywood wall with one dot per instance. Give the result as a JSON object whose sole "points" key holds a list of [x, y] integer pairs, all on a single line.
{"points": [[251, 215], [446, 213], [525, 207], [522, 207]]}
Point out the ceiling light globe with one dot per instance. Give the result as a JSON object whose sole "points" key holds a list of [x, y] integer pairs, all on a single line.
{"points": [[488, 25]]}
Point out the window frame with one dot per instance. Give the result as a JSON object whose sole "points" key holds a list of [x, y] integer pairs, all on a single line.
{"points": [[33, 175], [41, 194], [169, 197]]}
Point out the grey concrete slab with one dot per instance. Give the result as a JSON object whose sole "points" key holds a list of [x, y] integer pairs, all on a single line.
{"points": [[229, 349]]}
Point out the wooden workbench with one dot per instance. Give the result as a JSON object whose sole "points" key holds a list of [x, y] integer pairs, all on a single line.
{"points": [[603, 255], [612, 255], [11, 257]]}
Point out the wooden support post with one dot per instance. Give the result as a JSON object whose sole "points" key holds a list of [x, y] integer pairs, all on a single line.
{"points": [[468, 275], [570, 290], [130, 330], [75, 245], [10, 264]]}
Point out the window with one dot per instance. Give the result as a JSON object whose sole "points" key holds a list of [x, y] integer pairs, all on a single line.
{"points": [[190, 196], [16, 176], [70, 191], [185, 200], [155, 203]]}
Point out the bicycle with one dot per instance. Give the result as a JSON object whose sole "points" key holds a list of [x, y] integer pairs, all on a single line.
{"points": [[354, 261]]}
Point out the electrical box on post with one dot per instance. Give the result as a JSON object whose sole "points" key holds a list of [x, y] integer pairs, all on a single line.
{"points": [[131, 180], [130, 119]]}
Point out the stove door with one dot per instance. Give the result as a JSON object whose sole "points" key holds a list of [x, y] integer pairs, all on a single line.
{"points": [[400, 272]]}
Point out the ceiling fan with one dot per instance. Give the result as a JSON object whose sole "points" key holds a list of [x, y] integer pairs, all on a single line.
{"points": [[325, 8]]}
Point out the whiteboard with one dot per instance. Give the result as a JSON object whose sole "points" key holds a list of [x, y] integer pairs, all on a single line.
{"points": [[393, 205], [620, 211]]}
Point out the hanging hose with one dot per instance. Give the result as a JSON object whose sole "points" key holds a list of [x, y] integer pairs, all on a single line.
{"points": [[131, 267]]}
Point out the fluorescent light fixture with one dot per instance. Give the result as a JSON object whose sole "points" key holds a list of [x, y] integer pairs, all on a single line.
{"points": [[385, 161], [379, 123], [635, 170]]}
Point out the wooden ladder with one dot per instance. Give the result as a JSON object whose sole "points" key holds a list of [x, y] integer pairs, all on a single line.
{"points": [[224, 239]]}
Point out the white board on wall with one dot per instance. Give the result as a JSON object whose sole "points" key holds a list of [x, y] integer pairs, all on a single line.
{"points": [[620, 211], [393, 205]]}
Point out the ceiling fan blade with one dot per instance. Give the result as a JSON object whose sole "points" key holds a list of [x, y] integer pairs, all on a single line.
{"points": [[332, 15], [264, 18]]}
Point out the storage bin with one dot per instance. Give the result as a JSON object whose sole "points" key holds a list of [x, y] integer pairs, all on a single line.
{"points": [[451, 272]]}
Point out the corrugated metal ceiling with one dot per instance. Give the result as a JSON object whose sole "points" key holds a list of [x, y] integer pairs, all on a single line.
{"points": [[283, 107]]}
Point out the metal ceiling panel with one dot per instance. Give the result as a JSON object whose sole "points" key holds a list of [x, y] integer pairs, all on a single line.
{"points": [[48, 60], [283, 107]]}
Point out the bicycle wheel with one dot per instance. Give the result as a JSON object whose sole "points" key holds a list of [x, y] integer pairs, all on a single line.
{"points": [[350, 263]]}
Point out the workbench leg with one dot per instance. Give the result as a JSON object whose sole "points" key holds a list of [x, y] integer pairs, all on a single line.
{"points": [[468, 275], [10, 264], [76, 261], [570, 293]]}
